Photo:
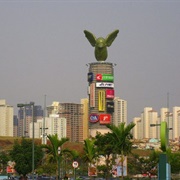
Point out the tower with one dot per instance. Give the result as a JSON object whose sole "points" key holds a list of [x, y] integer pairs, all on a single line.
{"points": [[120, 111], [101, 84], [101, 96]]}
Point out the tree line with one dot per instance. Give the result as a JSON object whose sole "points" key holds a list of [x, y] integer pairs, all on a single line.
{"points": [[55, 159]]}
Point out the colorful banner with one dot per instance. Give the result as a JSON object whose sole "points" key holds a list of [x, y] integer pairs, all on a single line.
{"points": [[90, 77], [120, 166], [101, 101], [109, 93], [104, 118], [93, 118], [105, 77], [104, 85], [110, 107], [10, 167]]}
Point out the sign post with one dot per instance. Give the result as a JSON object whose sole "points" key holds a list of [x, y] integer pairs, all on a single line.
{"points": [[75, 165]]}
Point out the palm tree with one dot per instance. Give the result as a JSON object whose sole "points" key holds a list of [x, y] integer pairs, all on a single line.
{"points": [[90, 152], [55, 150], [121, 139]]}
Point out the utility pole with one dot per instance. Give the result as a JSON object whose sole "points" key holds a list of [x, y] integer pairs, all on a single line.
{"points": [[43, 128]]}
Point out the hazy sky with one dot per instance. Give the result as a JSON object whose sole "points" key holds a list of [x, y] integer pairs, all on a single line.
{"points": [[43, 50]]}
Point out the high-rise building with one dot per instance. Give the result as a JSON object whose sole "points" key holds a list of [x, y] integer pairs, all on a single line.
{"points": [[120, 111], [54, 108], [15, 126], [176, 123], [137, 130], [73, 113], [25, 115], [143, 128], [148, 125], [6, 119], [146, 121], [53, 125], [153, 119], [166, 115], [101, 96]]}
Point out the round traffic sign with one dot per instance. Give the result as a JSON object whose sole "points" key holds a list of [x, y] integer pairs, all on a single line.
{"points": [[75, 164]]}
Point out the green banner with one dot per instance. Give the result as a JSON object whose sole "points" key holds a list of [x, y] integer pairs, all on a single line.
{"points": [[107, 77]]}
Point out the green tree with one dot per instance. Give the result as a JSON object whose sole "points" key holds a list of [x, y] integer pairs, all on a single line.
{"points": [[120, 138], [4, 158], [105, 149], [174, 160], [22, 155]]}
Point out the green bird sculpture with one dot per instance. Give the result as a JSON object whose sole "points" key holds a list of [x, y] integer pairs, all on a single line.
{"points": [[101, 44]]}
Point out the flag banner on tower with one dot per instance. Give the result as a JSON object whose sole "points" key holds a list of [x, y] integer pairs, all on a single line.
{"points": [[105, 84], [90, 77], [105, 77], [110, 107], [104, 118], [101, 101], [109, 93]]}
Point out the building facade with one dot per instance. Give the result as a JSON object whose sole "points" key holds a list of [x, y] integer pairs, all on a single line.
{"points": [[25, 115], [15, 126], [73, 113], [148, 124], [53, 125], [101, 96], [6, 119], [120, 111]]}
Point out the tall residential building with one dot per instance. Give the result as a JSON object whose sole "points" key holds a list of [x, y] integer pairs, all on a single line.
{"points": [[85, 102], [6, 119], [164, 112], [120, 111], [144, 128], [101, 96], [153, 119], [167, 116], [176, 123], [15, 126], [137, 130], [149, 123], [73, 113], [25, 115], [53, 125], [146, 121], [54, 108]]}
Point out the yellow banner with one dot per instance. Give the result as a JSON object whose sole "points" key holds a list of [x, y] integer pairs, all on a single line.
{"points": [[101, 100]]}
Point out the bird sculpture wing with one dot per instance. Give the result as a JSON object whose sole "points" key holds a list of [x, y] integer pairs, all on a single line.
{"points": [[91, 37], [111, 37]]}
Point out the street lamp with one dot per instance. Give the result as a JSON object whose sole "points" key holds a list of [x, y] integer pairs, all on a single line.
{"points": [[32, 105], [59, 152]]}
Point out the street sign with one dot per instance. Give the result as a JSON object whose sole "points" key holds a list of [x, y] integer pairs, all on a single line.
{"points": [[75, 164]]}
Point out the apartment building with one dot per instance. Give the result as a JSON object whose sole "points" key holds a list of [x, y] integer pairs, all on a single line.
{"points": [[148, 124], [6, 118], [73, 113], [120, 111]]}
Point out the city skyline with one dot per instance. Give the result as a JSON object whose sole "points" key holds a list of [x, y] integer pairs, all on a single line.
{"points": [[44, 51]]}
